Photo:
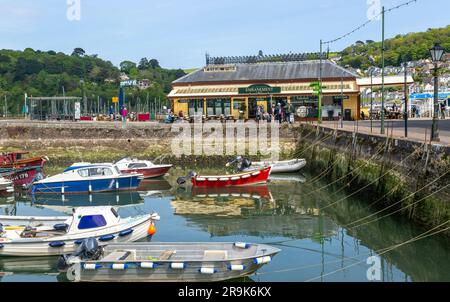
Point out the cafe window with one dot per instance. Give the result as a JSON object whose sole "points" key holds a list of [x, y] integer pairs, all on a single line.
{"points": [[218, 107], [195, 107]]}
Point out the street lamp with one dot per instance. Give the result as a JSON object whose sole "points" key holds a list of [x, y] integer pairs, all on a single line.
{"points": [[436, 55]]}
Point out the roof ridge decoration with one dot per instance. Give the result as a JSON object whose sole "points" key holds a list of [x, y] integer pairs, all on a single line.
{"points": [[291, 57]]}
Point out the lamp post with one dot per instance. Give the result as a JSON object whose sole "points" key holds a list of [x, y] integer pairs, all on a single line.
{"points": [[436, 55], [371, 101]]}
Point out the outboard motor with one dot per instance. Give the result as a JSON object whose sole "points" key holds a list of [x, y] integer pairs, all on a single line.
{"points": [[88, 250], [246, 163], [1, 228], [183, 180]]}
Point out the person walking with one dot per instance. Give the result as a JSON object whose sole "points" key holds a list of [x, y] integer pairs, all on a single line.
{"points": [[443, 110], [111, 113], [124, 114]]}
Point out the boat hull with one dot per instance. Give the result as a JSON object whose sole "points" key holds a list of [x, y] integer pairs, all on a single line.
{"points": [[25, 176], [192, 264], [291, 166], [245, 179], [41, 248], [149, 172], [131, 182]]}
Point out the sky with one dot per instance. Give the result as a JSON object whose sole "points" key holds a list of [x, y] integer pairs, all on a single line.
{"points": [[179, 32]]}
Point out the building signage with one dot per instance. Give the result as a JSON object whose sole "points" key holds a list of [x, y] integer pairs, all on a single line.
{"points": [[260, 89], [128, 83], [421, 96], [338, 97]]}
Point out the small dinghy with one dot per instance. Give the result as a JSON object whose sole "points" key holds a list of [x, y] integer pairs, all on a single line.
{"points": [[288, 166], [51, 236], [144, 167], [85, 178], [253, 177], [170, 262], [6, 186]]}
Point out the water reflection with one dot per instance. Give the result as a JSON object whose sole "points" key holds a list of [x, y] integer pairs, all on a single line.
{"points": [[313, 242]]}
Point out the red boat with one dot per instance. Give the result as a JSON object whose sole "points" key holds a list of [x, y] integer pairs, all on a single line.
{"points": [[16, 159], [145, 167], [244, 179], [20, 170]]}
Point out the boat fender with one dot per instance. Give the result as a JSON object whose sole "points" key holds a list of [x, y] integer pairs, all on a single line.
{"points": [[57, 244], [126, 233], [237, 267], [178, 265], [119, 266], [106, 238], [262, 260], [61, 227], [242, 245], [91, 266], [78, 242], [207, 270], [148, 265]]}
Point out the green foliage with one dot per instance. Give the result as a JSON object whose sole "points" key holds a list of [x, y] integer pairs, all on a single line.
{"points": [[411, 47], [40, 73]]}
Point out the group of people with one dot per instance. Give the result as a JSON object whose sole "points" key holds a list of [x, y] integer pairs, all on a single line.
{"points": [[280, 112]]}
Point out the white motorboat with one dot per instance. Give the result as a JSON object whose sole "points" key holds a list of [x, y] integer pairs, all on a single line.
{"points": [[47, 236], [287, 166], [169, 262], [82, 178], [6, 186], [147, 168]]}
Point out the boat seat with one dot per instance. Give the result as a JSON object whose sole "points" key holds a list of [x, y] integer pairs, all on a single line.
{"points": [[215, 255], [166, 255]]}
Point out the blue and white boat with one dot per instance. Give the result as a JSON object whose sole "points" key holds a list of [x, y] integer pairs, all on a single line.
{"points": [[85, 178]]}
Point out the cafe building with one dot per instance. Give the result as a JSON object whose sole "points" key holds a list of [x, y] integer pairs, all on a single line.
{"points": [[234, 87]]}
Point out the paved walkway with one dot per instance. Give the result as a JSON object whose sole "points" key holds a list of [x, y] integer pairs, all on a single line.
{"points": [[418, 129]]}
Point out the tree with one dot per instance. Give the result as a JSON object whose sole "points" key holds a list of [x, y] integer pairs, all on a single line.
{"points": [[144, 64], [78, 52], [126, 66], [154, 63]]}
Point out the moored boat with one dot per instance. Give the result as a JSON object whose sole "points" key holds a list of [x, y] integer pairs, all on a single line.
{"points": [[242, 179], [23, 177], [17, 159], [87, 178], [145, 167], [287, 166], [46, 236], [6, 186], [171, 262]]}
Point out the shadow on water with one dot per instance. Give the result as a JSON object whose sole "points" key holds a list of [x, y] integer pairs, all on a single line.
{"points": [[283, 213]]}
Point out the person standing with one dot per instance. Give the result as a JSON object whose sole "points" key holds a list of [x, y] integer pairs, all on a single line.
{"points": [[124, 114], [111, 113], [443, 110]]}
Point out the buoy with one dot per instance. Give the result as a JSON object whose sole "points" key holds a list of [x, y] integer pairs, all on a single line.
{"points": [[263, 260], [152, 229], [237, 267], [148, 265], [91, 266], [179, 265], [242, 245], [106, 238], [57, 244], [126, 233], [119, 266], [207, 270]]}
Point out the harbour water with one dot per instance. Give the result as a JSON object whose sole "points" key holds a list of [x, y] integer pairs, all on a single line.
{"points": [[290, 213]]}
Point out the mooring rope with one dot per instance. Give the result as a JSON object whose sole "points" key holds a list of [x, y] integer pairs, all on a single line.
{"points": [[344, 176], [368, 185], [389, 249], [399, 210], [379, 252]]}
